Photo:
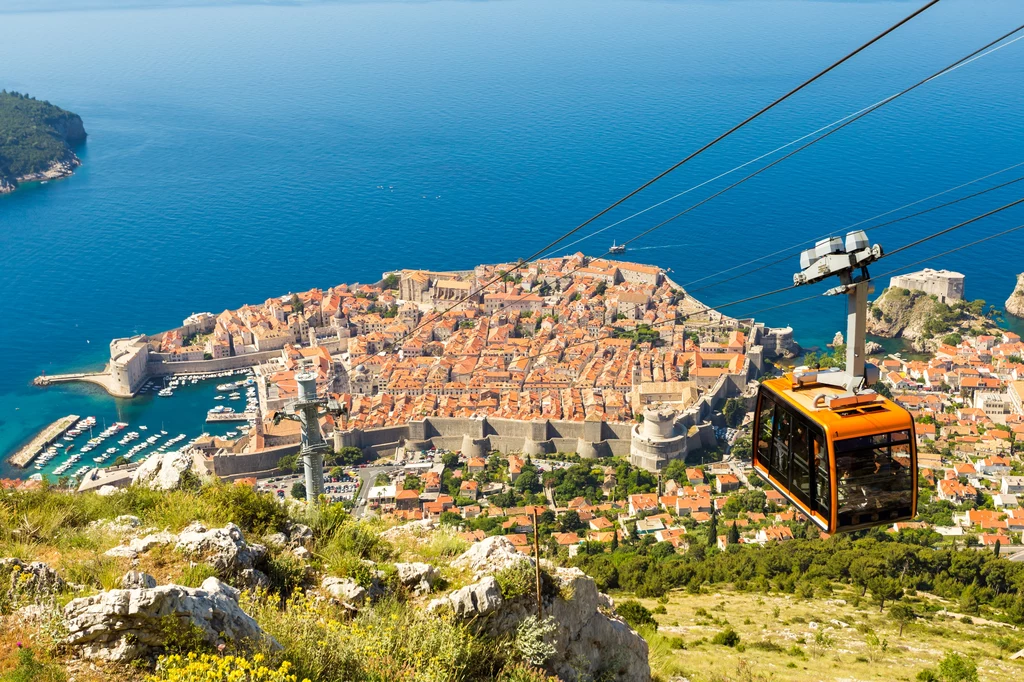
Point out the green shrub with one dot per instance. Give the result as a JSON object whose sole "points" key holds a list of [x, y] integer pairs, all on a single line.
{"points": [[195, 574], [636, 614], [727, 637], [30, 669], [516, 580]]}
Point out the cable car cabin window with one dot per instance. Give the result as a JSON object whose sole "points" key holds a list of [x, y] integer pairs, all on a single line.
{"points": [[820, 469], [799, 467], [874, 481], [779, 466], [764, 437]]}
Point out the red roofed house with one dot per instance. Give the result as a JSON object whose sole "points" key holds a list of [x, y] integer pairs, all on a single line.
{"points": [[726, 482], [642, 502]]}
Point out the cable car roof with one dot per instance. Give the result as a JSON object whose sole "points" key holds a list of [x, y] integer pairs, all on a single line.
{"points": [[864, 419]]}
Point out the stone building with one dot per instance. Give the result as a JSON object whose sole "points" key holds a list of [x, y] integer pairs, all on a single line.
{"points": [[947, 286], [128, 358]]}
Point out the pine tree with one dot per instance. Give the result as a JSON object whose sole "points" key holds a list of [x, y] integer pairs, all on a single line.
{"points": [[734, 534], [713, 529]]}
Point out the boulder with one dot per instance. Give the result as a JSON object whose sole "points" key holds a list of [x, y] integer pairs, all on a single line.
{"points": [[490, 555], [414, 529], [299, 534], [482, 598], [142, 545], [873, 347], [126, 624], [344, 590], [302, 553], [123, 525], [1015, 304], [35, 578], [277, 539], [163, 471], [137, 580], [419, 577], [589, 644], [223, 548]]}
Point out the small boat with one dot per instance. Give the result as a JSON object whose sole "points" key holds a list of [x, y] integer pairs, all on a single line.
{"points": [[617, 248], [143, 428], [165, 393]]}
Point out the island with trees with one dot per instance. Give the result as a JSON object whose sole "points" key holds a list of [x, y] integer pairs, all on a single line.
{"points": [[36, 140]]}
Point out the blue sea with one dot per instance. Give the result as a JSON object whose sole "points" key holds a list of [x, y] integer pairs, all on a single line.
{"points": [[241, 151]]}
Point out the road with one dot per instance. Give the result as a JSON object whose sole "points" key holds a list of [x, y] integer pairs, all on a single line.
{"points": [[367, 476]]}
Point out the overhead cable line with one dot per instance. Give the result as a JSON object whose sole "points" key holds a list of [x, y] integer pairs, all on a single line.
{"points": [[754, 297], [860, 222], [894, 271], [977, 54], [789, 250], [963, 61], [522, 263]]}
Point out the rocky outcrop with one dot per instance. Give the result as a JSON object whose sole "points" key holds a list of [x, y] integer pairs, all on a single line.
{"points": [[482, 598], [491, 555], [122, 625], [35, 578], [226, 550], [418, 577], [421, 528], [588, 641], [133, 580], [920, 319], [142, 545], [163, 471], [1015, 304], [345, 591]]}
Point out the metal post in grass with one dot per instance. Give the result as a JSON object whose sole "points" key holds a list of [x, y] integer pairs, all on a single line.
{"points": [[536, 559]]}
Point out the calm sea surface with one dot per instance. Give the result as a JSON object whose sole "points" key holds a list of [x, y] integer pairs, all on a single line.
{"points": [[241, 152]]}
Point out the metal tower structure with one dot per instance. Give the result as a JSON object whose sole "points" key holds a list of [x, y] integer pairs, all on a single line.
{"points": [[835, 257], [307, 410]]}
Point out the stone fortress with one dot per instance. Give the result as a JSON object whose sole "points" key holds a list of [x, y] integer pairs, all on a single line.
{"points": [[946, 285]]}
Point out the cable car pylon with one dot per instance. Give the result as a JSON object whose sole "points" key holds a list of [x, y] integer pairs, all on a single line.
{"points": [[848, 260]]}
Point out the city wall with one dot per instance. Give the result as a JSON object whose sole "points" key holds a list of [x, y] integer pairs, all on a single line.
{"points": [[159, 364]]}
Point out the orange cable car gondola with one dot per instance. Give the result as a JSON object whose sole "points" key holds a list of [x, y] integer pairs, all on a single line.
{"points": [[840, 452], [846, 466]]}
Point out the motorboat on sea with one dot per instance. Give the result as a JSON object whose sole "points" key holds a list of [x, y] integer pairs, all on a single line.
{"points": [[165, 393]]}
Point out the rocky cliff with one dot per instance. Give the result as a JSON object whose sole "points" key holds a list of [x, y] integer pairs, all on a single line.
{"points": [[922, 319], [1015, 304]]}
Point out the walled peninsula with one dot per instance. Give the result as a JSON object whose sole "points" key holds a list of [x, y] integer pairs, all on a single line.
{"points": [[569, 354]]}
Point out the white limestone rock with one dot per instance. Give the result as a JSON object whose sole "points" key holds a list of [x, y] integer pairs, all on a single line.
{"points": [[491, 555], [482, 598], [142, 545], [137, 580], [419, 577], [122, 625], [163, 471], [412, 529], [223, 548], [344, 590], [35, 578], [1015, 303], [588, 643]]}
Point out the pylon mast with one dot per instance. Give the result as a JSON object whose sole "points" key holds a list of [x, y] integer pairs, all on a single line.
{"points": [[307, 407], [835, 257]]}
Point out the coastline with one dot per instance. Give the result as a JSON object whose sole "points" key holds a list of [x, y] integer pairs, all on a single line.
{"points": [[58, 170]]}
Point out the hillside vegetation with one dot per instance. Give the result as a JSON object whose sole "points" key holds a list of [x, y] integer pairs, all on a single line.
{"points": [[36, 138], [880, 606]]}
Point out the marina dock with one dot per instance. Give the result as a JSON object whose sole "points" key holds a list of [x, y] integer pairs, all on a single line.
{"points": [[230, 417], [23, 457]]}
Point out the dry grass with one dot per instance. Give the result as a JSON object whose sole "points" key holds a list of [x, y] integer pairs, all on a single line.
{"points": [[778, 633]]}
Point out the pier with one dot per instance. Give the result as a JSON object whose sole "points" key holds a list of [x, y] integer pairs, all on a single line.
{"points": [[230, 417], [23, 457]]}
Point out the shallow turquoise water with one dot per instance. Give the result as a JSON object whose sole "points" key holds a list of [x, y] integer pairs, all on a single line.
{"points": [[240, 152]]}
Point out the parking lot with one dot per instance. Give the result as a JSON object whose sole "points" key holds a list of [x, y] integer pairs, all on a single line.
{"points": [[337, 489]]}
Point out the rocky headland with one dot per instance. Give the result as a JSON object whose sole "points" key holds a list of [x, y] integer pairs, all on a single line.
{"points": [[1015, 304], [922, 320], [36, 141]]}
